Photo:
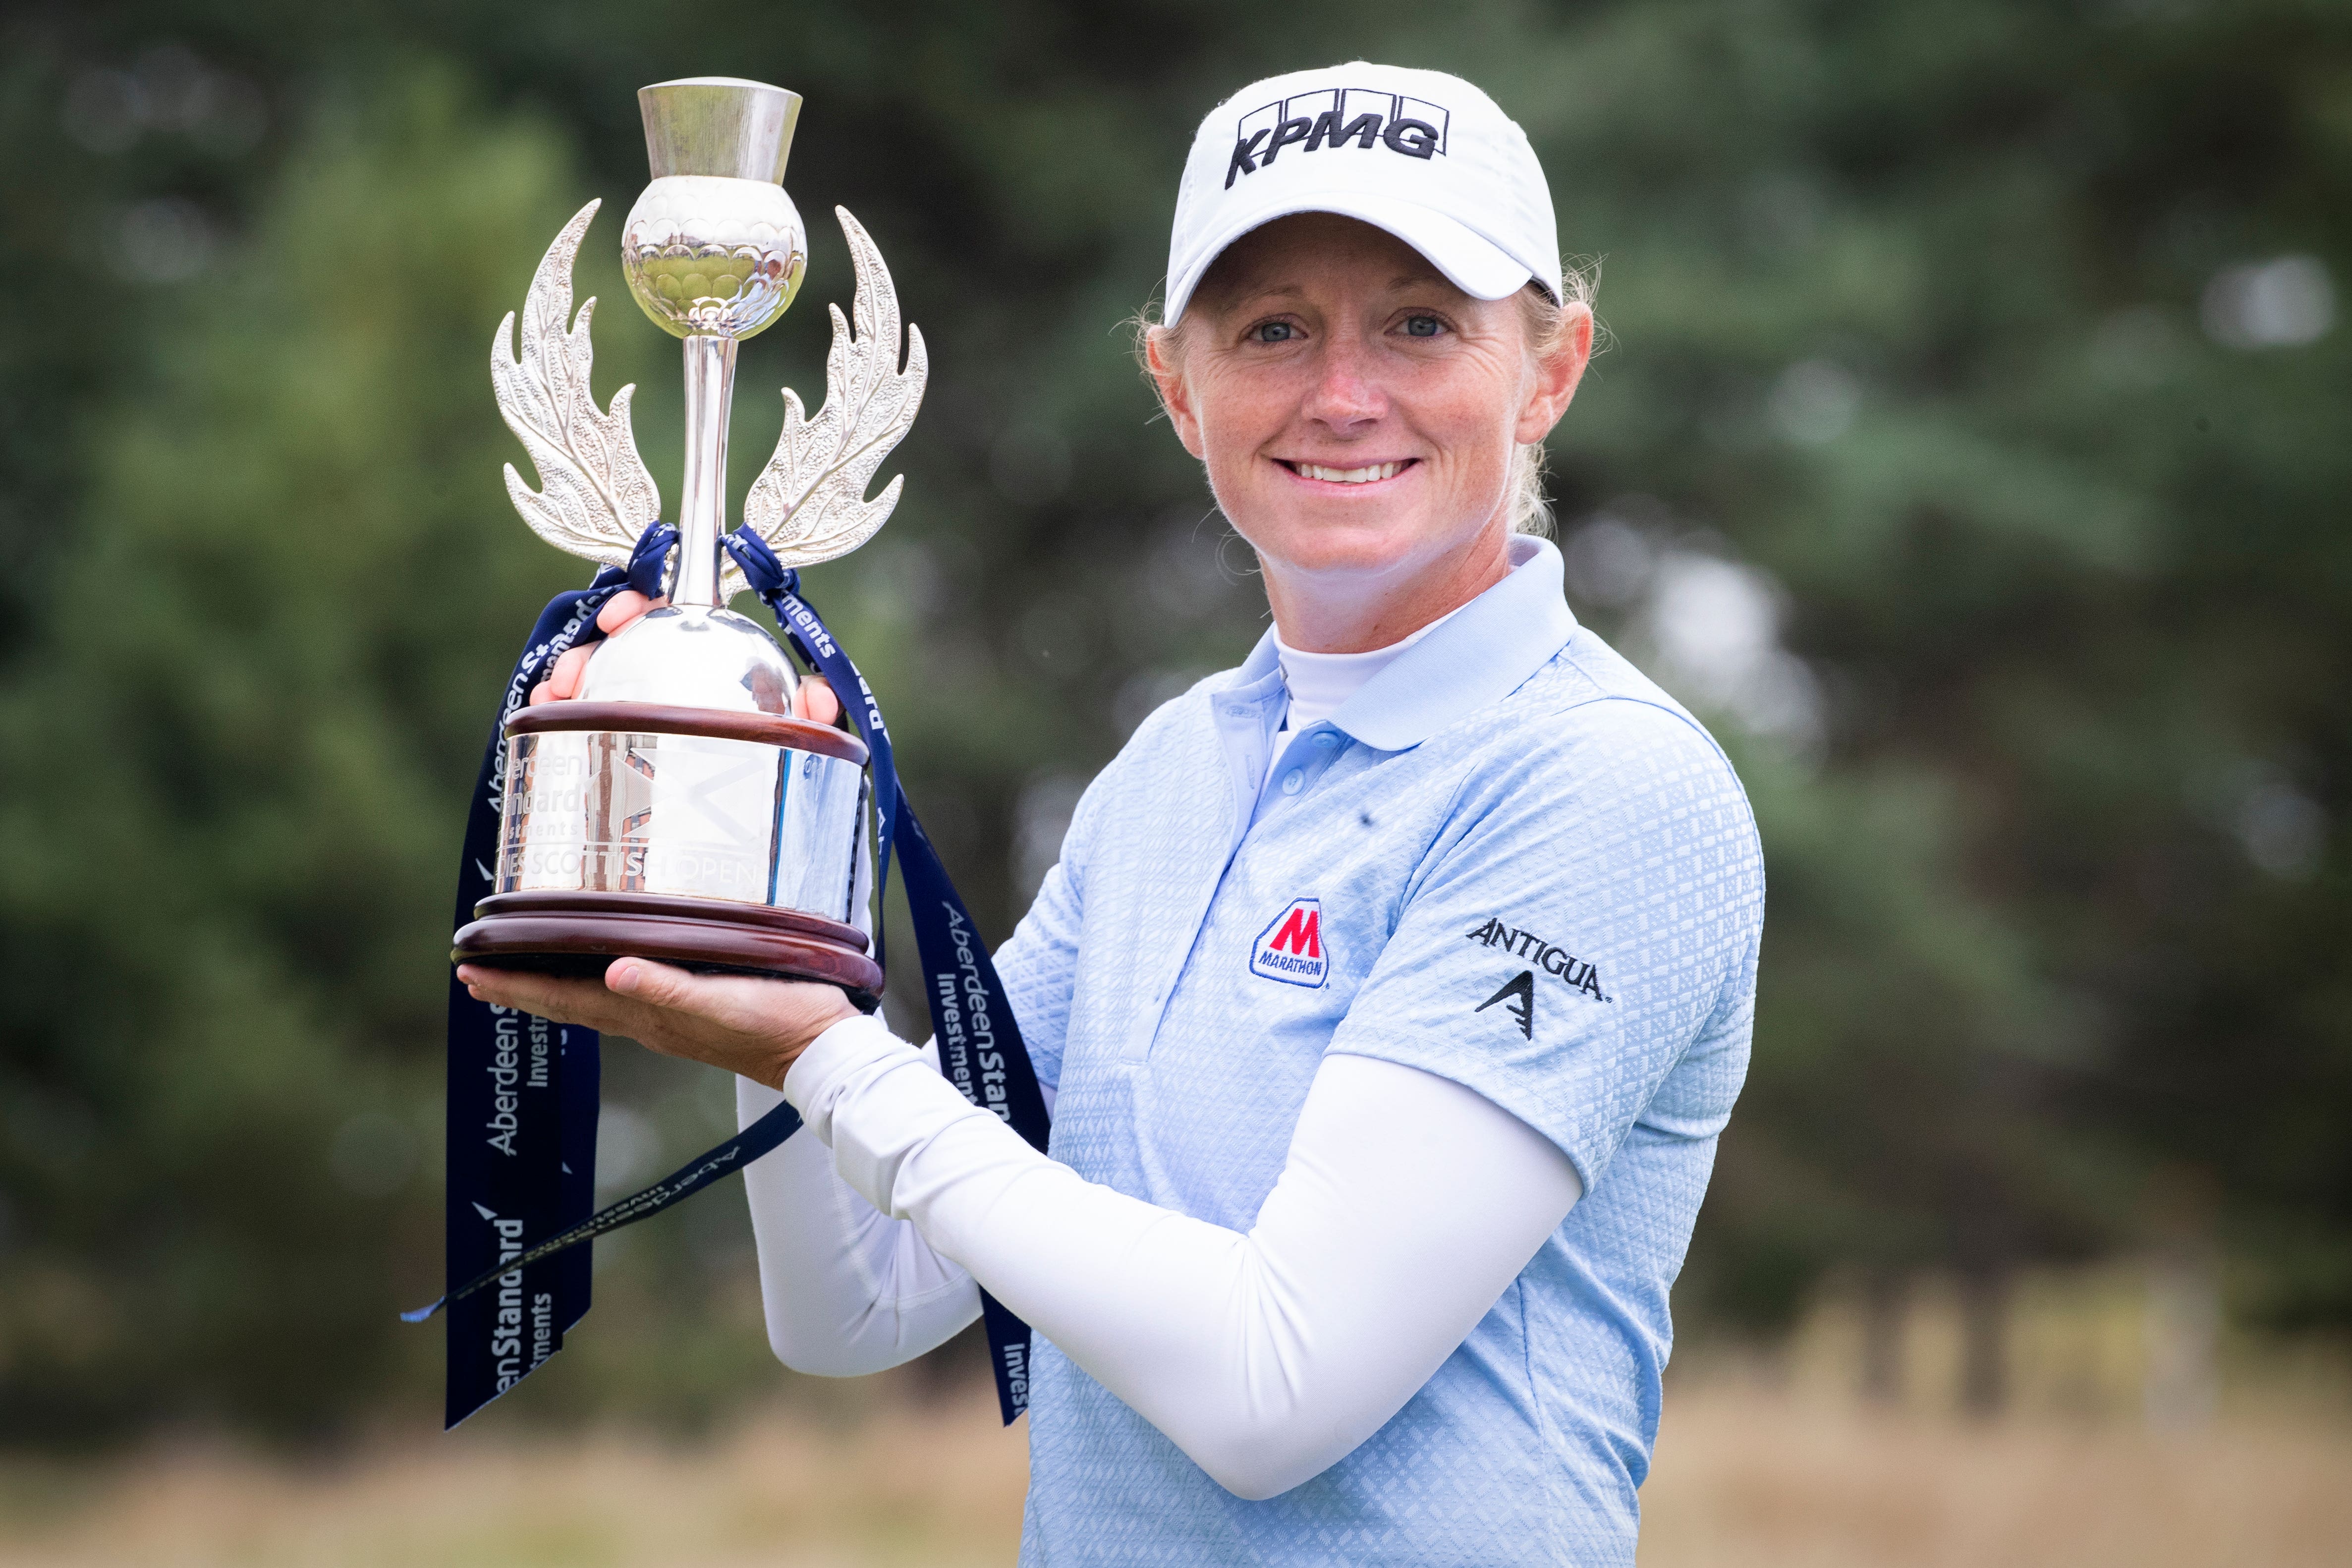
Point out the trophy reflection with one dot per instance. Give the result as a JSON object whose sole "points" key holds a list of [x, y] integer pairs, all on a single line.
{"points": [[675, 809]]}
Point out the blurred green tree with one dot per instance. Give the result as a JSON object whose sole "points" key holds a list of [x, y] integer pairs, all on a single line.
{"points": [[1971, 450], [266, 659]]}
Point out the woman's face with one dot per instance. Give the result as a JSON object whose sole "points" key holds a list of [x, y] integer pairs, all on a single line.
{"points": [[1357, 412]]}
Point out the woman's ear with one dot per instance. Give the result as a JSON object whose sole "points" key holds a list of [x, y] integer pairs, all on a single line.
{"points": [[1556, 374], [1165, 360]]}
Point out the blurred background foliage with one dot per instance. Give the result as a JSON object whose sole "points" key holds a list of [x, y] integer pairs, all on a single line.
{"points": [[1971, 447]]}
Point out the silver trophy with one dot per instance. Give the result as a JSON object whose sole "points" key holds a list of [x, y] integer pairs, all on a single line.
{"points": [[675, 809]]}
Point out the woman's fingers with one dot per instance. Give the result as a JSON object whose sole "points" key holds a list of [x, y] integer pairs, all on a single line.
{"points": [[752, 1026], [543, 996], [624, 607], [815, 701], [563, 680]]}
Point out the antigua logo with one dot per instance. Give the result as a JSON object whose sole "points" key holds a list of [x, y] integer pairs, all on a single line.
{"points": [[1291, 949], [1572, 971], [1521, 990], [1316, 120]]}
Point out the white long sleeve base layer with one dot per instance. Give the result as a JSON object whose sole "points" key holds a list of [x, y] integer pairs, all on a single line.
{"points": [[1407, 1206]]}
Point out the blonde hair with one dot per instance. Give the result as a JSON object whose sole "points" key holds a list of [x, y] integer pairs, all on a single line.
{"points": [[1548, 318]]}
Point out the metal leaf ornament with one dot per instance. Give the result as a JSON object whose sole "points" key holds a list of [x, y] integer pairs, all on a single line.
{"points": [[596, 494], [809, 503]]}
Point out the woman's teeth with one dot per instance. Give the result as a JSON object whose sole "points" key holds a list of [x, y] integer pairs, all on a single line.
{"points": [[1349, 476]]}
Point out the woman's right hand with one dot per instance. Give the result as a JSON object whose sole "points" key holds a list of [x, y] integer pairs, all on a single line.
{"points": [[814, 701]]}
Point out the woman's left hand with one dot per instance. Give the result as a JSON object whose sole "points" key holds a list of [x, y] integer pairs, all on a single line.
{"points": [[755, 1028]]}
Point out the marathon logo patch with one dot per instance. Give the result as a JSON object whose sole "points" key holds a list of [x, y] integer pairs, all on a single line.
{"points": [[1291, 949], [1334, 118], [1554, 961]]}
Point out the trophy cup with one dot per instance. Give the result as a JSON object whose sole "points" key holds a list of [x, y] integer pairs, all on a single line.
{"points": [[675, 809]]}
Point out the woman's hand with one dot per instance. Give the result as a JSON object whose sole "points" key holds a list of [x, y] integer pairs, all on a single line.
{"points": [[563, 680], [755, 1028], [815, 700]]}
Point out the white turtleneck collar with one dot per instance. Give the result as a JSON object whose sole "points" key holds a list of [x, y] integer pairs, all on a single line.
{"points": [[1320, 682]]}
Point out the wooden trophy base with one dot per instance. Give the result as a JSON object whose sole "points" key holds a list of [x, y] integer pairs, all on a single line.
{"points": [[602, 797], [580, 933]]}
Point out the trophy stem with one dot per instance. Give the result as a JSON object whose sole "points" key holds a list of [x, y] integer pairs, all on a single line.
{"points": [[702, 509]]}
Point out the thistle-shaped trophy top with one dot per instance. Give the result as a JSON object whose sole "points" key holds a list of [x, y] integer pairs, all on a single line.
{"points": [[714, 247], [718, 126], [713, 251]]}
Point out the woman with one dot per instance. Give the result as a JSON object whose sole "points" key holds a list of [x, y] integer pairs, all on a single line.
{"points": [[1391, 989]]}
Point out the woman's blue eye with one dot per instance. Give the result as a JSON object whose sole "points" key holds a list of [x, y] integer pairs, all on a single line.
{"points": [[1422, 326], [1274, 333]]}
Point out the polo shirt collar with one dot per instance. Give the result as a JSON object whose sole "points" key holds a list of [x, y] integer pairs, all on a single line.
{"points": [[1482, 654]]}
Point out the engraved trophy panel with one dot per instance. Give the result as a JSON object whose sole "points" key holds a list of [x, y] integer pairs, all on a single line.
{"points": [[688, 815], [673, 808]]}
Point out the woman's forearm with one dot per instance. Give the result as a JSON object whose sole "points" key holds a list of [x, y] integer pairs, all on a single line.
{"points": [[1408, 1205], [847, 1291]]}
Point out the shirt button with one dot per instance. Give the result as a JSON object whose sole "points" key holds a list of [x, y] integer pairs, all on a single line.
{"points": [[1293, 781], [1327, 738]]}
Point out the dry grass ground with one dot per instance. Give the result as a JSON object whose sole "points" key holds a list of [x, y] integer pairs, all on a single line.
{"points": [[936, 1487], [1746, 1477], [1758, 1480]]}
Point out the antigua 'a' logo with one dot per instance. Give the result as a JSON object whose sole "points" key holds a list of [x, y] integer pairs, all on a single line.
{"points": [[1291, 949], [1521, 990]]}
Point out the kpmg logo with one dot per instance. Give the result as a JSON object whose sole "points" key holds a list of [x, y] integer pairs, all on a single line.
{"points": [[1317, 121], [1291, 949]]}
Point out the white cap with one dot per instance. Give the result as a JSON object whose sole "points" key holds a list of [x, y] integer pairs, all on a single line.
{"points": [[1422, 155]]}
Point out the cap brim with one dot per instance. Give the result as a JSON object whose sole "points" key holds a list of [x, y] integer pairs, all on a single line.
{"points": [[1470, 261]]}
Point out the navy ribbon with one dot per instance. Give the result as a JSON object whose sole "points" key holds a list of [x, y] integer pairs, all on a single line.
{"points": [[981, 1048], [523, 1091]]}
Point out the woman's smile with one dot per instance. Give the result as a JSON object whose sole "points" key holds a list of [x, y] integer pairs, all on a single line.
{"points": [[1342, 477]]}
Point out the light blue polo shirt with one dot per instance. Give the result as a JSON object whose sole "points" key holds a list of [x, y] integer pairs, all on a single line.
{"points": [[1510, 860]]}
